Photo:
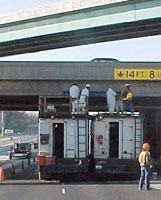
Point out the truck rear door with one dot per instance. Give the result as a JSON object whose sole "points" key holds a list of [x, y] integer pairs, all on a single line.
{"points": [[69, 139], [127, 138], [101, 139], [45, 138]]}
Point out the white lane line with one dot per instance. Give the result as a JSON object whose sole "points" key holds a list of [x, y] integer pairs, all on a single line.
{"points": [[29, 140], [5, 145], [8, 138], [63, 191]]}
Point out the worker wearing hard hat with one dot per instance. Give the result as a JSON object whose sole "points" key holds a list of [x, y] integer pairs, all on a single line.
{"points": [[111, 100], [127, 99], [145, 165], [84, 98], [74, 95]]}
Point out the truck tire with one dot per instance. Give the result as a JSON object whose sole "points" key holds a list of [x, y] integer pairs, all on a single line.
{"points": [[45, 176]]}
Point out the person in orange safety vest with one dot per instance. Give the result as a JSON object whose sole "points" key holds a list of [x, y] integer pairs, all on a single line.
{"points": [[145, 165], [127, 99]]}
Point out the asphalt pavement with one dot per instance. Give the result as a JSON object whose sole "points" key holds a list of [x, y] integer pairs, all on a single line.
{"points": [[29, 190]]}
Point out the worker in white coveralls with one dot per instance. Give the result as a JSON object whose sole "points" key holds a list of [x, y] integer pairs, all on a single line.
{"points": [[111, 99], [74, 95], [84, 98]]}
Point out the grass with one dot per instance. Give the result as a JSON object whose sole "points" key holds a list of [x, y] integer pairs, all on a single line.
{"points": [[5, 136]]}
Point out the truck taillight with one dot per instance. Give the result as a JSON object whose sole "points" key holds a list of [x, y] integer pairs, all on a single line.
{"points": [[100, 139], [52, 116], [98, 165], [100, 117], [73, 116], [44, 160]]}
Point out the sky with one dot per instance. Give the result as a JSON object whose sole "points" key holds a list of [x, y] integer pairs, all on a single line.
{"points": [[141, 49]]}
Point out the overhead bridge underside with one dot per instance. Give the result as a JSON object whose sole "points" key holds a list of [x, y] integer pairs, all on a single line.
{"points": [[82, 37], [62, 104], [84, 25]]}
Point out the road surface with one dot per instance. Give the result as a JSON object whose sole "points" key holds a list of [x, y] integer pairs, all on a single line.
{"points": [[29, 190]]}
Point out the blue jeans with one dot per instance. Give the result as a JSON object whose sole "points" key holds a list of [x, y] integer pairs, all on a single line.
{"points": [[144, 177], [127, 106]]}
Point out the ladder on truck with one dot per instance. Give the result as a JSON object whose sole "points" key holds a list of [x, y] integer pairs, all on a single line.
{"points": [[82, 129], [138, 136]]}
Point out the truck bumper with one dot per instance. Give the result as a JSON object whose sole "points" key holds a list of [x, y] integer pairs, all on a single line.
{"points": [[116, 166], [19, 155], [65, 166]]}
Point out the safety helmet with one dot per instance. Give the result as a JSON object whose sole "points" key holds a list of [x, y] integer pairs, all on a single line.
{"points": [[88, 85], [127, 85], [146, 146]]}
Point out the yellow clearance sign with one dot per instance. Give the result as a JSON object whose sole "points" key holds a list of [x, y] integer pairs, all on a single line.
{"points": [[137, 74]]}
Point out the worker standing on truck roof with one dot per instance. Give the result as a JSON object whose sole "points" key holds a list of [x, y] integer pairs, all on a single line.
{"points": [[127, 99], [111, 100], [83, 102], [145, 165], [119, 103], [74, 95]]}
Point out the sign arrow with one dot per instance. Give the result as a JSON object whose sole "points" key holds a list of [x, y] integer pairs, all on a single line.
{"points": [[120, 74]]}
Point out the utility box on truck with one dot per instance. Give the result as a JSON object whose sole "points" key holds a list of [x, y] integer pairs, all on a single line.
{"points": [[116, 143], [63, 146]]}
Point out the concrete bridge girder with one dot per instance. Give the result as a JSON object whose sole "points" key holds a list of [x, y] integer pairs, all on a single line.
{"points": [[60, 88], [53, 78]]}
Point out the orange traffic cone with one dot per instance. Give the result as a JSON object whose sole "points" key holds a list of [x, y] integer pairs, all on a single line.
{"points": [[12, 169], [1, 174], [22, 166], [29, 161]]}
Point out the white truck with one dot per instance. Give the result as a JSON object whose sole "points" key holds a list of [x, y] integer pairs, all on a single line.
{"points": [[63, 147], [83, 144], [116, 143], [9, 131]]}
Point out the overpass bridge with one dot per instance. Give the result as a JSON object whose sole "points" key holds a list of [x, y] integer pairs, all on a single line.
{"points": [[21, 83], [75, 23]]}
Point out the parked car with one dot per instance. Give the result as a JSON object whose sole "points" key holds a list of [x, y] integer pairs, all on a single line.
{"points": [[21, 150]]}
